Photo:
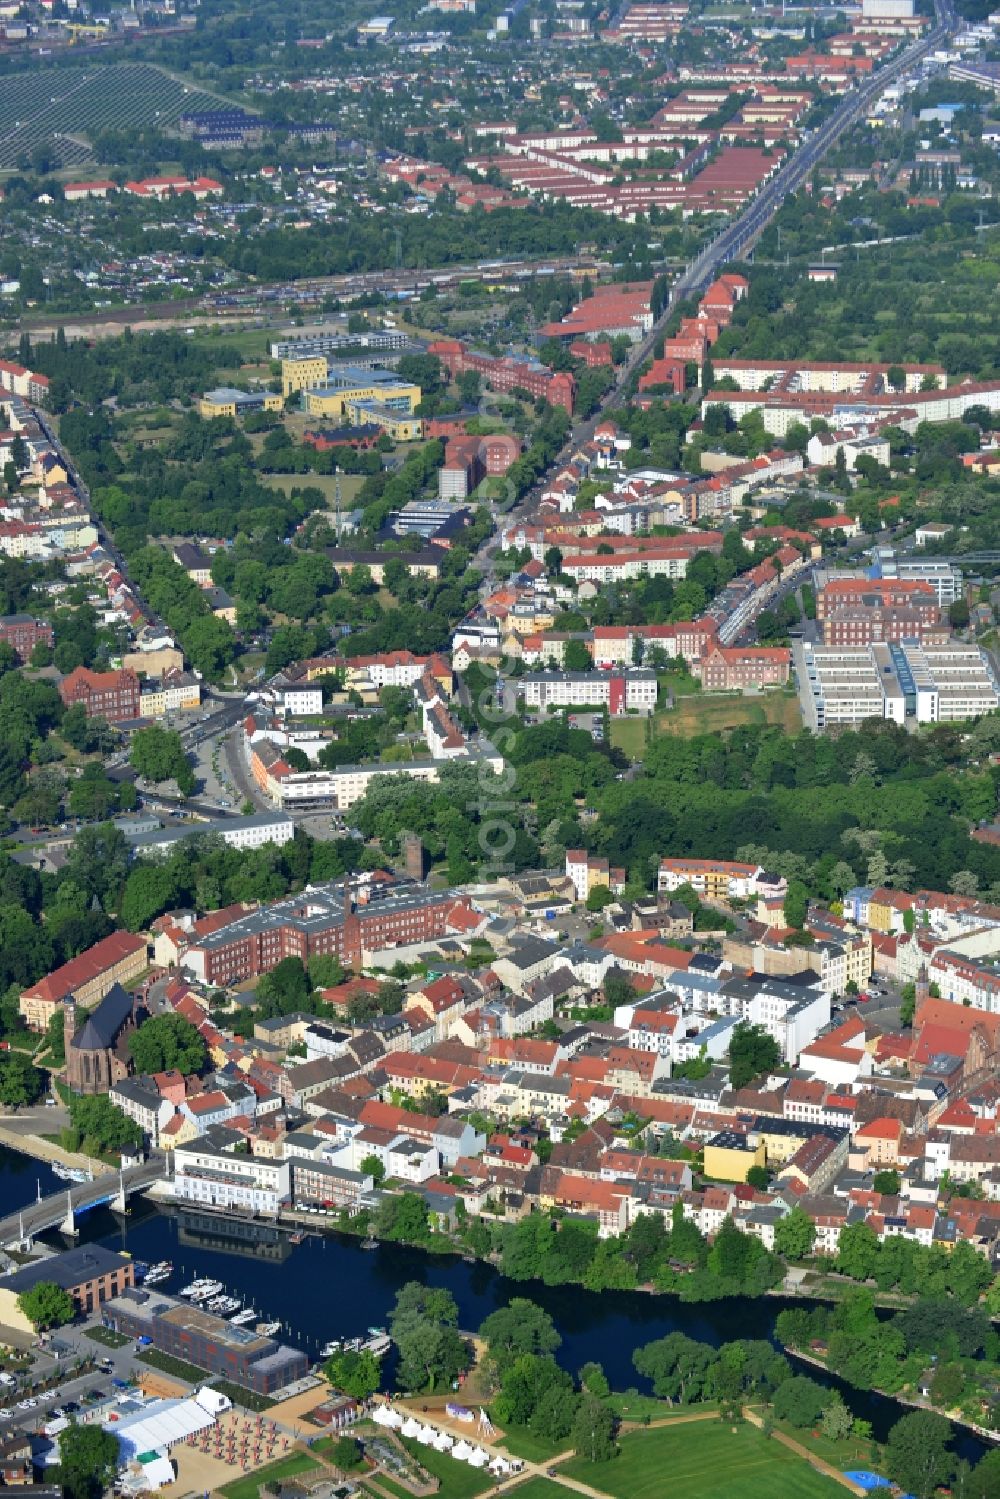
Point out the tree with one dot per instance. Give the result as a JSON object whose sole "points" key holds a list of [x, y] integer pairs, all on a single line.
{"points": [[857, 1251], [751, 1051], [795, 1235], [800, 1401], [21, 1083], [158, 755], [948, 1385], [345, 1453], [98, 1127], [836, 1421], [758, 1176], [593, 1434], [886, 1182], [356, 1373], [984, 1482], [917, 1455], [796, 904], [166, 1043], [677, 1365], [285, 989], [576, 657], [88, 1461], [373, 1166], [149, 890], [46, 1305], [519, 1327], [423, 1325]]}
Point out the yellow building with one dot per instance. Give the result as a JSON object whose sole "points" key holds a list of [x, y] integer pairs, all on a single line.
{"points": [[300, 374], [729, 1157], [401, 426], [227, 401], [351, 387]]}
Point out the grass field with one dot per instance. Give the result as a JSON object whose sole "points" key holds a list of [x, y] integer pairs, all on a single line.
{"points": [[704, 713], [458, 1480], [704, 1460], [350, 484], [286, 1467], [522, 1443], [539, 1488], [629, 734]]}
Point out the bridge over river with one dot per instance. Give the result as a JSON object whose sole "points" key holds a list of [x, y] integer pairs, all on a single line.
{"points": [[60, 1209]]}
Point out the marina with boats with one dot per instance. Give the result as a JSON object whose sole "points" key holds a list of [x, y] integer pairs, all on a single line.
{"points": [[210, 1295]]}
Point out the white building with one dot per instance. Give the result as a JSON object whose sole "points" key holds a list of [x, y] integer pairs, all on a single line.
{"points": [[238, 832], [210, 1177], [908, 683], [631, 691]]}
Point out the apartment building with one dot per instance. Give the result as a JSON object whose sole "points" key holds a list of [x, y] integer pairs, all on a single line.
{"points": [[343, 918], [718, 879], [208, 1176], [630, 691]]}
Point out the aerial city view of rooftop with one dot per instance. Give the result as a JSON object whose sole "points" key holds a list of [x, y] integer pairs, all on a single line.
{"points": [[500, 749]]}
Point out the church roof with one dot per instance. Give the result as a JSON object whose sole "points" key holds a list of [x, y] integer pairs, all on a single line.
{"points": [[103, 1026]]}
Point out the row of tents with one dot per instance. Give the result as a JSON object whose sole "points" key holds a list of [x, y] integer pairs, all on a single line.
{"points": [[442, 1441]]}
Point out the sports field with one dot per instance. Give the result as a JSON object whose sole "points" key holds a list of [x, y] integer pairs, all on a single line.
{"points": [[704, 1460]]}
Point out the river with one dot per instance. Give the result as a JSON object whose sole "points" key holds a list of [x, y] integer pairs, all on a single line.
{"points": [[329, 1287]]}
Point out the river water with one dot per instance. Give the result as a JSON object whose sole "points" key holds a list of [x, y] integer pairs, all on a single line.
{"points": [[329, 1287]]}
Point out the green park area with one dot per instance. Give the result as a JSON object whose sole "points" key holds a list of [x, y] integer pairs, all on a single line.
{"points": [[704, 1460], [696, 713], [710, 713], [292, 1466]]}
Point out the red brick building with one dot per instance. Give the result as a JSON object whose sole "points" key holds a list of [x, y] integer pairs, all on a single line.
{"points": [[113, 695], [506, 374], [23, 632], [867, 626], [335, 918], [723, 670], [670, 372], [885, 593]]}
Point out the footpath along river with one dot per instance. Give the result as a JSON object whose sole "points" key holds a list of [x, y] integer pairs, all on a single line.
{"points": [[329, 1287]]}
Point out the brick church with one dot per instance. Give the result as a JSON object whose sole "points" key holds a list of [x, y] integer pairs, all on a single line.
{"points": [[97, 1053]]}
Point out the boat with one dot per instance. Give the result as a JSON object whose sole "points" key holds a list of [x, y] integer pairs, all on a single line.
{"points": [[202, 1289], [224, 1306], [297, 1238], [244, 1318], [329, 1349], [369, 1243], [376, 1332], [268, 1329], [69, 1173]]}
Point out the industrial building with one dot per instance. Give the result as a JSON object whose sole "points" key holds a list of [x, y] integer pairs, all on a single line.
{"points": [[186, 1332]]}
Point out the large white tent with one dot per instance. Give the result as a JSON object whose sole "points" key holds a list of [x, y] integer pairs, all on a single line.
{"points": [[162, 1424]]}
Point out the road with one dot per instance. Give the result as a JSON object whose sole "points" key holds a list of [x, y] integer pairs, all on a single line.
{"points": [[740, 236]]}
